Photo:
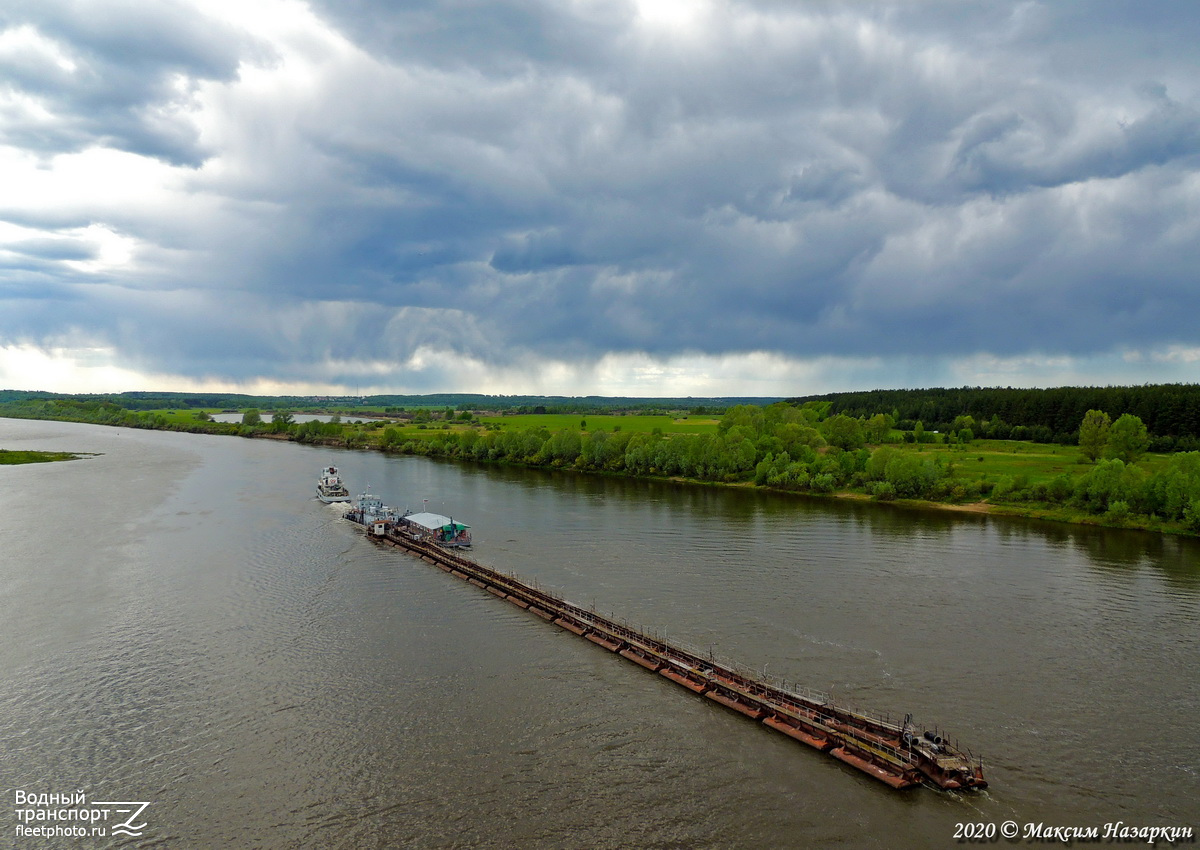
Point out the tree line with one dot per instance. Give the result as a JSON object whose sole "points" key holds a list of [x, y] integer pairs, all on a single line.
{"points": [[99, 412], [797, 448], [804, 448], [1171, 412], [145, 400]]}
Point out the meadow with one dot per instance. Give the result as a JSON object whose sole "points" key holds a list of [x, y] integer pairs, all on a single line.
{"points": [[1039, 463], [10, 456], [634, 422]]}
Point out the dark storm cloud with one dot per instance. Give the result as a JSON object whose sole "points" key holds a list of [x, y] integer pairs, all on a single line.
{"points": [[514, 179], [131, 65], [493, 38]]}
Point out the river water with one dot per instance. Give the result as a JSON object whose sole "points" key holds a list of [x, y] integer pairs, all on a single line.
{"points": [[181, 623]]}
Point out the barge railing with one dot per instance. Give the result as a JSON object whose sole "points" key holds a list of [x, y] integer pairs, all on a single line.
{"points": [[895, 754]]}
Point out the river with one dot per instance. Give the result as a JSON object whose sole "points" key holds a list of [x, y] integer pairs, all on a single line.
{"points": [[182, 623]]}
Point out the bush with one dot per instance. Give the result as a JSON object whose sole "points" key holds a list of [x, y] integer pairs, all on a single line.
{"points": [[823, 483], [1191, 515], [876, 467], [1117, 511], [910, 475], [1110, 481], [1059, 489], [1002, 488]]}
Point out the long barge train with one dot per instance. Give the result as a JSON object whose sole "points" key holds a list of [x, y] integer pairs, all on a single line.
{"points": [[899, 754]]}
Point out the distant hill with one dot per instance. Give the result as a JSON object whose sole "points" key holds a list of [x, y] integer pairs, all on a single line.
{"points": [[459, 401]]}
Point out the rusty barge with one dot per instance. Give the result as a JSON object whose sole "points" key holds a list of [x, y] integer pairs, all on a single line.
{"points": [[898, 754]]}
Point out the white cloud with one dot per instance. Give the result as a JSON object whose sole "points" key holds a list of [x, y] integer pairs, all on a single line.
{"points": [[650, 198], [29, 49]]}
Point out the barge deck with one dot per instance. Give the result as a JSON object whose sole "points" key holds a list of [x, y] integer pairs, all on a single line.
{"points": [[899, 755]]}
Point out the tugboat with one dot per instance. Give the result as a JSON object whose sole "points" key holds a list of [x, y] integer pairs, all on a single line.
{"points": [[369, 509], [330, 488]]}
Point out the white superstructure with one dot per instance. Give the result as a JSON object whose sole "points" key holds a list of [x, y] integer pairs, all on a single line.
{"points": [[330, 487]]}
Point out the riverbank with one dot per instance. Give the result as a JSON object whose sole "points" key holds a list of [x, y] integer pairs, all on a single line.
{"points": [[1044, 513], [1160, 493]]}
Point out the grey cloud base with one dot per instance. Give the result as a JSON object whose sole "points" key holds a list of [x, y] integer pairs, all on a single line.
{"points": [[333, 195]]}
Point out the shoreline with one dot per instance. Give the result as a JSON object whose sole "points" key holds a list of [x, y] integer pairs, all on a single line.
{"points": [[1062, 516], [1066, 516]]}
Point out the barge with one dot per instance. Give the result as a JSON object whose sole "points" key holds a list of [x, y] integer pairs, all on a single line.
{"points": [[442, 530], [898, 754], [370, 511]]}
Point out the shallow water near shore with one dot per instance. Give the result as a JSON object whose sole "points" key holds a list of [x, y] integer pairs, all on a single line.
{"points": [[183, 623]]}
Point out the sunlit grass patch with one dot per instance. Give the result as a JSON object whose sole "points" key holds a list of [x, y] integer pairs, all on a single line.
{"points": [[9, 456], [638, 423]]}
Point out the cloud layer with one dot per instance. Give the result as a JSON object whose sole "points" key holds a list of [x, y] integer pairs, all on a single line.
{"points": [[592, 196]]}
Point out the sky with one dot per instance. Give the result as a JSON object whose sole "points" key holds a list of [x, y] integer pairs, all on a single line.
{"points": [[618, 197]]}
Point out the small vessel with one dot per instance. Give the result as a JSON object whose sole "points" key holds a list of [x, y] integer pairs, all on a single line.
{"points": [[330, 487]]}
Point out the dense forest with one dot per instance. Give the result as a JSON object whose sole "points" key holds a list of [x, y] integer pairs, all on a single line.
{"points": [[1171, 412]]}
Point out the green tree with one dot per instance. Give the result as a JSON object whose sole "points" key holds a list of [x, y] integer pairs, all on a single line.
{"points": [[1111, 481], [1191, 515], [1176, 487], [280, 420], [878, 427], [1093, 433], [1127, 439], [391, 439], [877, 465], [563, 447], [844, 432], [252, 417], [909, 475]]}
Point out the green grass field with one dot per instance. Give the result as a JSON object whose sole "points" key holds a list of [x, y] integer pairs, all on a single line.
{"points": [[1039, 462], [182, 417], [990, 459], [606, 422], [9, 457]]}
